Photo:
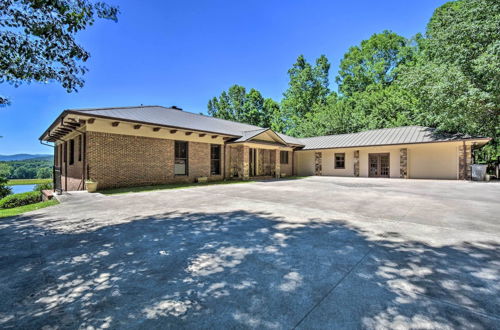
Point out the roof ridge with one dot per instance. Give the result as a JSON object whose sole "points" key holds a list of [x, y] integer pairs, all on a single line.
{"points": [[369, 130], [117, 108], [160, 106]]}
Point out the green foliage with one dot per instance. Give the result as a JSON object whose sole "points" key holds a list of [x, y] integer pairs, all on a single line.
{"points": [[43, 186], [238, 105], [17, 200], [43, 173], [448, 78], [457, 75], [26, 208], [37, 40], [307, 88], [375, 61], [4, 189], [40, 168]]}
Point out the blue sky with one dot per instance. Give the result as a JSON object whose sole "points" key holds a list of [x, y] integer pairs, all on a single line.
{"points": [[185, 52]]}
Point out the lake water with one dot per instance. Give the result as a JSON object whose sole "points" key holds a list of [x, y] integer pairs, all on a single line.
{"points": [[20, 188]]}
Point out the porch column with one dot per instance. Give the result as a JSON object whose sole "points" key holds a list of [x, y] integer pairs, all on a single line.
{"points": [[277, 170], [246, 163], [403, 163], [317, 163], [464, 161], [356, 162]]}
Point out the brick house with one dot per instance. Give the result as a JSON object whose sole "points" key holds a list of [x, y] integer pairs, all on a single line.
{"points": [[145, 145]]}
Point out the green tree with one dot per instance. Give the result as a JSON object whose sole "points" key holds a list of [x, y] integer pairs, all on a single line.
{"points": [[308, 87], [24, 172], [456, 78], [238, 105], [37, 40], [374, 61], [4, 189], [44, 173], [4, 170]]}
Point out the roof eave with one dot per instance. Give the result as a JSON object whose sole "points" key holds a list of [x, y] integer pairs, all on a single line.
{"points": [[148, 123], [399, 144]]}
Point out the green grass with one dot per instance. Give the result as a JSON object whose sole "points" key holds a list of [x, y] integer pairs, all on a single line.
{"points": [[127, 190], [15, 182], [26, 208]]}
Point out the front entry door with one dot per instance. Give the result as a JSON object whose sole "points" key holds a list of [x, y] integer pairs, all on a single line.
{"points": [[378, 165]]}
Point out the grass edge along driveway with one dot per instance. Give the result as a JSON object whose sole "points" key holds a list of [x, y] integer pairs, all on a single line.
{"points": [[126, 190], [4, 213]]}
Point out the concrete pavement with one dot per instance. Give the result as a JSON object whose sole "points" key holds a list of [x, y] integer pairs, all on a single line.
{"points": [[318, 252]]}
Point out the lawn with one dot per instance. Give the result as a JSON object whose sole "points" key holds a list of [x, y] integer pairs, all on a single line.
{"points": [[177, 186], [166, 186], [26, 208], [15, 182]]}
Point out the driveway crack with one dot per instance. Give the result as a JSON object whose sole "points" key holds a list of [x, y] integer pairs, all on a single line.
{"points": [[333, 288]]}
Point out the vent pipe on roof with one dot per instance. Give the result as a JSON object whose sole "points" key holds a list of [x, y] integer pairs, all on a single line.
{"points": [[175, 107]]}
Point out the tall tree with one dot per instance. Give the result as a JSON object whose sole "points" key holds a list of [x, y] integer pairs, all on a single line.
{"points": [[457, 75], [251, 108], [37, 40], [374, 61], [307, 87]]}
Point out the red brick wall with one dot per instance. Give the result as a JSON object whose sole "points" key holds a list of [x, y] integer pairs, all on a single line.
{"points": [[122, 160]]}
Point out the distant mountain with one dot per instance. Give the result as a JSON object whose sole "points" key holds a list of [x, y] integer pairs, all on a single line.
{"points": [[23, 156]]}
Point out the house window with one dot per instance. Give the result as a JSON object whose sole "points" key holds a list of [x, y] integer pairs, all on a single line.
{"points": [[71, 151], [284, 157], [340, 160], [80, 148], [181, 158], [215, 159]]}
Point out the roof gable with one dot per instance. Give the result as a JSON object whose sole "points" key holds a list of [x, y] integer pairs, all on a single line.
{"points": [[264, 134]]}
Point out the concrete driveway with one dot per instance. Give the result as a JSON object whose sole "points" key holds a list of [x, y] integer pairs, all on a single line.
{"points": [[320, 252]]}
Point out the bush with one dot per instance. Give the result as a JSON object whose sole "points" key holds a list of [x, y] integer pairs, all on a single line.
{"points": [[43, 186], [16, 200], [4, 189]]}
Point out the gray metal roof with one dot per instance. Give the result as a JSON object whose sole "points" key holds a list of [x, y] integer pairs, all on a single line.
{"points": [[177, 118], [247, 135], [379, 137], [170, 117]]}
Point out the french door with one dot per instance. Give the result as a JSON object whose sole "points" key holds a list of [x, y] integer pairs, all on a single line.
{"points": [[378, 165]]}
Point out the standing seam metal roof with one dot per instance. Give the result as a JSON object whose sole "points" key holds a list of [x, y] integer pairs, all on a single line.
{"points": [[175, 117], [385, 136]]}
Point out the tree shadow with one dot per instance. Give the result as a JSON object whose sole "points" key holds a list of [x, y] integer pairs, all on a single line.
{"points": [[239, 270]]}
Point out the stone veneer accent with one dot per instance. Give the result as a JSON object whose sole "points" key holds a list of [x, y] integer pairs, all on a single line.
{"points": [[464, 162], [277, 160], [116, 160], [317, 163], [246, 163], [403, 163], [356, 162]]}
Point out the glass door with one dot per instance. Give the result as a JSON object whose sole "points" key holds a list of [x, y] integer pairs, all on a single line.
{"points": [[379, 165]]}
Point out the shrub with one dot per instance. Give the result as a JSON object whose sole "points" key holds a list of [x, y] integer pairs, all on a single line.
{"points": [[16, 200], [43, 186], [4, 189]]}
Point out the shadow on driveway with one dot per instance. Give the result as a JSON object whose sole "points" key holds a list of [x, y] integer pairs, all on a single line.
{"points": [[240, 269]]}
